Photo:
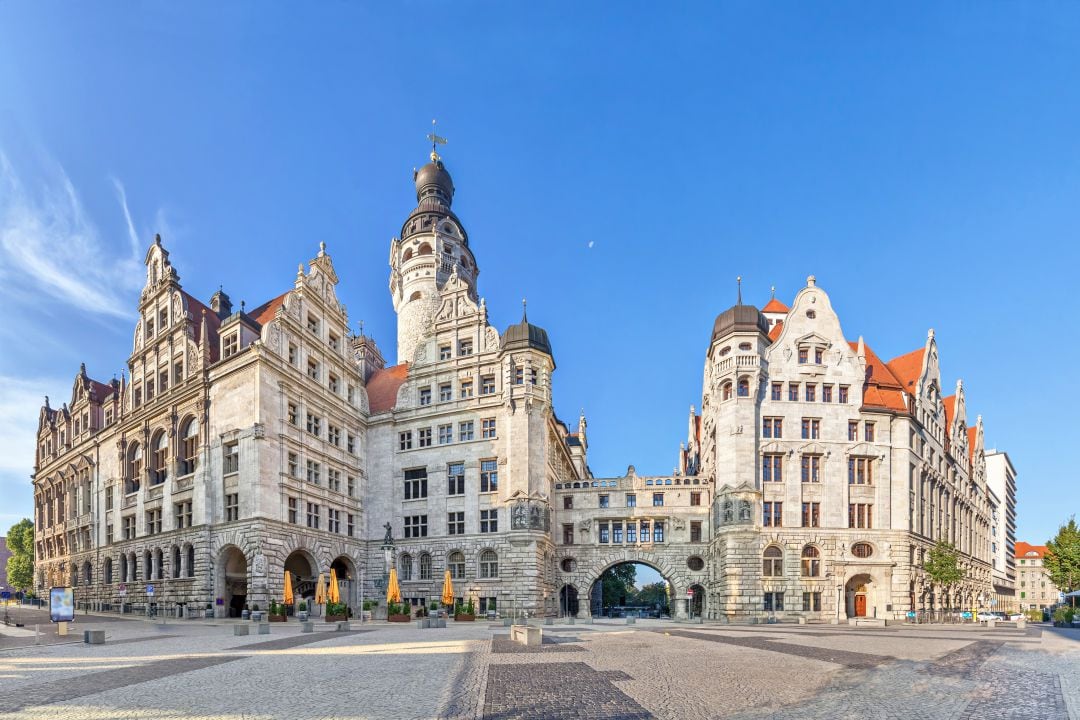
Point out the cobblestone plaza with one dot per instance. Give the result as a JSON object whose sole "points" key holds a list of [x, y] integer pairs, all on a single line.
{"points": [[606, 669]]}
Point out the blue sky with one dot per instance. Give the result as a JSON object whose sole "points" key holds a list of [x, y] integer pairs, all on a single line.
{"points": [[616, 165]]}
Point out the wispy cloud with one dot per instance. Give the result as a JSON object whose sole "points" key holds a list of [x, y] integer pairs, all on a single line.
{"points": [[49, 244], [20, 402]]}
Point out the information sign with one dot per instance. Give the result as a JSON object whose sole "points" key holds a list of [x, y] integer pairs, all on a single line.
{"points": [[122, 590], [911, 614], [61, 604], [150, 590], [966, 615]]}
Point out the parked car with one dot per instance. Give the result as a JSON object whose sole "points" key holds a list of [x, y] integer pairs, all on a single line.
{"points": [[1016, 616]]}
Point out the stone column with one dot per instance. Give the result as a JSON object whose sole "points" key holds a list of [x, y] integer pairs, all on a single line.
{"points": [[681, 607]]}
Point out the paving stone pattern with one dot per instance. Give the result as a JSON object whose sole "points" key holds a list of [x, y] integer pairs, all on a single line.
{"points": [[555, 690]]}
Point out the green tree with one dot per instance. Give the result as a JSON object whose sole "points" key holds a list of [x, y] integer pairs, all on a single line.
{"points": [[942, 565], [652, 595], [1062, 560], [20, 566], [618, 584]]}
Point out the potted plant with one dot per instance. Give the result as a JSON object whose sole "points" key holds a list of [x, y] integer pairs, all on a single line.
{"points": [[466, 613], [397, 613], [301, 612], [246, 612], [209, 611], [369, 606], [277, 612], [336, 612], [256, 613]]}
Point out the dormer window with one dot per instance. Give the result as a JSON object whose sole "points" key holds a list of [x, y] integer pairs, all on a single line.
{"points": [[819, 355], [804, 355], [230, 345]]}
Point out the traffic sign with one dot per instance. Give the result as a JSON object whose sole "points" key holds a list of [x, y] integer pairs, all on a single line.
{"points": [[149, 589], [966, 615], [689, 592], [911, 614]]}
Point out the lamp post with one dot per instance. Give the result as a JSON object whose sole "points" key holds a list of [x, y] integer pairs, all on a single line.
{"points": [[388, 554]]}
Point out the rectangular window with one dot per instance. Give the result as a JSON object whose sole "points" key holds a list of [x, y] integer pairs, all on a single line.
{"points": [[333, 435], [333, 520], [568, 502], [605, 501], [314, 472], [333, 341], [351, 486], [350, 444], [695, 531], [313, 369], [294, 355], [446, 392], [811, 428], [793, 391], [772, 468], [314, 424], [658, 499], [109, 498], [294, 510], [860, 515], [232, 507], [489, 475], [332, 382], [843, 394], [293, 414], [446, 434], [868, 431], [405, 440], [153, 522], [230, 458], [777, 391], [455, 523], [774, 601], [811, 514], [333, 480], [772, 514], [351, 528], [631, 499], [465, 347], [313, 516], [128, 527], [465, 389], [658, 531], [163, 382], [605, 532], [811, 468], [519, 374], [489, 520], [425, 396], [616, 532], [455, 479], [804, 355], [644, 531], [415, 483], [811, 392], [772, 428], [231, 345], [444, 352], [487, 428], [811, 602], [313, 324], [860, 471], [826, 393], [853, 430], [109, 534], [423, 437], [568, 534], [465, 431], [416, 527], [819, 356], [182, 514], [631, 532], [487, 385], [695, 499]]}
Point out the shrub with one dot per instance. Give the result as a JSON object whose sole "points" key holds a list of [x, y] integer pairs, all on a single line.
{"points": [[1063, 615], [302, 607], [371, 604], [255, 607]]}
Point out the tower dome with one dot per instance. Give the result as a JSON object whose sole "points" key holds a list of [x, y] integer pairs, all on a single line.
{"points": [[433, 180], [739, 318], [434, 195]]}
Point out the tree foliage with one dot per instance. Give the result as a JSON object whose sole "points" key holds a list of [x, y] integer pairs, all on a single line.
{"points": [[618, 584], [1062, 559], [652, 595], [20, 566], [942, 565]]}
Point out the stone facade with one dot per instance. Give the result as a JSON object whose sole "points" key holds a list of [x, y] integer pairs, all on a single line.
{"points": [[242, 446], [1035, 589]]}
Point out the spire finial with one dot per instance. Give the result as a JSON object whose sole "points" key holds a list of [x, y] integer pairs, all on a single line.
{"points": [[322, 249], [361, 328], [436, 140], [241, 307], [738, 281], [773, 291], [524, 315]]}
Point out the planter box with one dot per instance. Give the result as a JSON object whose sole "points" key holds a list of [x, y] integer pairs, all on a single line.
{"points": [[399, 618], [336, 618], [275, 618], [463, 617]]}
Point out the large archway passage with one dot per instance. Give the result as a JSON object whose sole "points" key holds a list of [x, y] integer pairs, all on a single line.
{"points": [[302, 567], [569, 604], [631, 589], [348, 582], [231, 580]]}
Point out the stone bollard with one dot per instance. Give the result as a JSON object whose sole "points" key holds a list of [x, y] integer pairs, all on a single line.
{"points": [[264, 628], [507, 622], [240, 629], [307, 627], [1021, 624], [991, 623], [802, 620], [631, 621], [570, 620], [94, 637], [342, 626]]}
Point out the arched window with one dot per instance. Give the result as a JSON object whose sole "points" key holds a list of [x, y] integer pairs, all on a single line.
{"points": [[424, 249], [108, 571], [133, 568], [725, 351], [191, 561], [160, 557], [189, 446], [88, 573], [148, 566], [123, 569], [415, 296], [725, 393], [407, 255], [159, 461], [811, 561], [455, 563], [425, 567], [744, 387], [176, 561], [134, 467], [489, 564], [772, 562], [405, 566]]}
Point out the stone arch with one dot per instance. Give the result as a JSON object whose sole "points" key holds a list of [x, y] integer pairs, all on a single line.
{"points": [[589, 571], [231, 579], [303, 566], [348, 579]]}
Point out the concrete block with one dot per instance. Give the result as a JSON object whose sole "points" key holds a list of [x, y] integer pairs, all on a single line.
{"points": [[802, 620], [549, 621], [307, 627], [527, 634], [94, 637], [342, 626], [264, 628], [631, 621], [241, 629]]}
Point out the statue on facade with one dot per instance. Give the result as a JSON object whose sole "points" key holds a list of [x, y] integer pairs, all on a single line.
{"points": [[519, 517], [389, 539], [744, 510]]}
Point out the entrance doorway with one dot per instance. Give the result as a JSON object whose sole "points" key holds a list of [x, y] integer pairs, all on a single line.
{"points": [[697, 602], [859, 590], [860, 604], [568, 601], [232, 580], [302, 568]]}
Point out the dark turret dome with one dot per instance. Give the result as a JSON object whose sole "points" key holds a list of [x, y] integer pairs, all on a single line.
{"points": [[433, 179], [526, 335], [739, 318], [434, 195]]}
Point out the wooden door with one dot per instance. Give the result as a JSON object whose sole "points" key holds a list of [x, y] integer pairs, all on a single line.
{"points": [[860, 606]]}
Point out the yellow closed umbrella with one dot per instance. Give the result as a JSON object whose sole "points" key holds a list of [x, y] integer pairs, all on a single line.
{"points": [[393, 592], [320, 590], [333, 594], [288, 597], [447, 589]]}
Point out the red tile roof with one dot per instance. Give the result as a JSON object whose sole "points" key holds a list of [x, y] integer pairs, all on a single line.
{"points": [[775, 306], [383, 385], [950, 409], [213, 322], [1022, 549], [882, 389], [775, 332], [907, 368], [973, 432], [266, 312]]}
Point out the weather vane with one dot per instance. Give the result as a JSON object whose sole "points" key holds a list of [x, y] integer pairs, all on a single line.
{"points": [[436, 140]]}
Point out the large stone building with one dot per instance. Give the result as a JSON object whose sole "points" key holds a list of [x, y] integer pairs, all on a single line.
{"points": [[242, 445]]}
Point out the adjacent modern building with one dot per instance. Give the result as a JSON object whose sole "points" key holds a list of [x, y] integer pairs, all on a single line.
{"points": [[1035, 588], [1001, 481], [243, 445]]}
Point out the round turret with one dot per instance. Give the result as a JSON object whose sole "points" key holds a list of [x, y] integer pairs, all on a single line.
{"points": [[739, 318]]}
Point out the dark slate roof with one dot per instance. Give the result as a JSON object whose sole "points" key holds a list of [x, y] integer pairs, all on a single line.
{"points": [[740, 318], [526, 335]]}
